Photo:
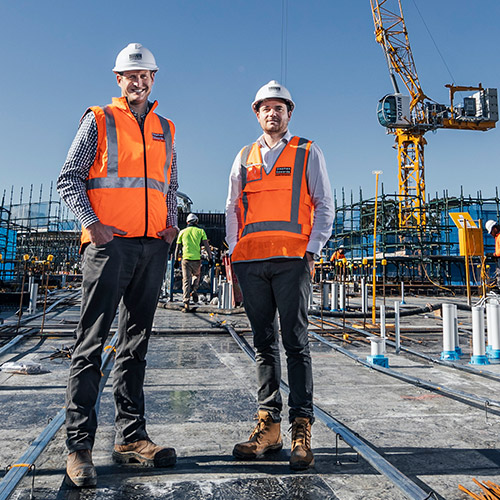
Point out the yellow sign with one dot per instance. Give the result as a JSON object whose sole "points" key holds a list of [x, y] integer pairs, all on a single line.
{"points": [[462, 220], [470, 237]]}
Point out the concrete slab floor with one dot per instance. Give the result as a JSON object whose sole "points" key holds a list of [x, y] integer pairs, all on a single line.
{"points": [[200, 398]]}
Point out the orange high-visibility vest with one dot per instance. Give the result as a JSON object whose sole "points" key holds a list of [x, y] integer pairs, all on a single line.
{"points": [[275, 209], [497, 245], [128, 182], [337, 255]]}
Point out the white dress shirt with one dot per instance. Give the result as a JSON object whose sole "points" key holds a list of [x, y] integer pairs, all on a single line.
{"points": [[318, 184]]}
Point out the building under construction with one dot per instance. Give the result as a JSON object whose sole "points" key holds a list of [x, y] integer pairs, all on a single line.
{"points": [[423, 255], [34, 225]]}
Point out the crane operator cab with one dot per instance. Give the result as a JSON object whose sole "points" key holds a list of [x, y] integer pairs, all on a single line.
{"points": [[393, 111]]}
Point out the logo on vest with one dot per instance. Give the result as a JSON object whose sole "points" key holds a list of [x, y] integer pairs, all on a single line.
{"points": [[283, 170], [158, 137]]}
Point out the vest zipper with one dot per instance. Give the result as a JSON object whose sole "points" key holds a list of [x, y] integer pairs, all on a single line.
{"points": [[146, 203], [145, 184]]}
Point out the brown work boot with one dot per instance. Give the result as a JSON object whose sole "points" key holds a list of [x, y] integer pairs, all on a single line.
{"points": [[144, 452], [301, 457], [265, 438], [80, 470]]}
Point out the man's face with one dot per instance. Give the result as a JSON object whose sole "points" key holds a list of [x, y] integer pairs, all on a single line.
{"points": [[494, 232], [136, 85], [273, 116]]}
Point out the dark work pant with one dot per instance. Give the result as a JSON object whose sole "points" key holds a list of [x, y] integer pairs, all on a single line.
{"points": [[129, 272], [268, 287]]}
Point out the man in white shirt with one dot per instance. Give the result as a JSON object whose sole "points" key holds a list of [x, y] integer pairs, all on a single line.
{"points": [[279, 215]]}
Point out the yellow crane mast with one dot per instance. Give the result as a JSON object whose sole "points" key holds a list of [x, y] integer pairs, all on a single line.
{"points": [[409, 117]]}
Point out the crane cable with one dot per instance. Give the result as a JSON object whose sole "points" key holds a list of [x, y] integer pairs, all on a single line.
{"points": [[434, 42], [284, 40]]}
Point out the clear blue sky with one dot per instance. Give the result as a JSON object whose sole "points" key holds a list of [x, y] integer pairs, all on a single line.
{"points": [[214, 55]]}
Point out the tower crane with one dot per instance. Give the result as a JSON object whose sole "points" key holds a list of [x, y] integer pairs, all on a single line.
{"points": [[410, 116]]}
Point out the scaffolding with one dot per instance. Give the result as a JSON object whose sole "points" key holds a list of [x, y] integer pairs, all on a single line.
{"points": [[423, 255], [36, 229]]}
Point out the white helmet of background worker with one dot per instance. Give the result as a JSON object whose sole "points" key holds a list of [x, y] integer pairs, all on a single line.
{"points": [[272, 90], [135, 57], [192, 218], [490, 224]]}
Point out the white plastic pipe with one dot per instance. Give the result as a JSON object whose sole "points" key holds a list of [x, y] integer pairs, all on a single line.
{"points": [[377, 346], [335, 296], [382, 324], [493, 325], [342, 296], [455, 312], [326, 295], [478, 347], [397, 327], [226, 299], [448, 311], [33, 297], [364, 296]]}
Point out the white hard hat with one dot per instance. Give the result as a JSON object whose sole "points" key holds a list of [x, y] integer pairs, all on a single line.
{"points": [[134, 57], [191, 218], [489, 225], [272, 90]]}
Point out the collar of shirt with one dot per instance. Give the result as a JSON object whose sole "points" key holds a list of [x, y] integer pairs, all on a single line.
{"points": [[143, 116], [270, 155]]}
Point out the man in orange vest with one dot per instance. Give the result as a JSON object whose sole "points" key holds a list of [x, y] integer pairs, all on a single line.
{"points": [[338, 254], [120, 179], [279, 215]]}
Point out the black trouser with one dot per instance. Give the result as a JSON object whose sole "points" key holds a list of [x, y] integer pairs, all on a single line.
{"points": [[129, 272], [281, 285]]}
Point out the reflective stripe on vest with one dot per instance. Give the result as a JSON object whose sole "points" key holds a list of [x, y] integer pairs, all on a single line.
{"points": [[112, 180], [293, 225]]}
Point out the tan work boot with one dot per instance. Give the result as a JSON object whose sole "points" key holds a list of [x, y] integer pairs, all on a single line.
{"points": [[265, 438], [301, 457], [80, 470], [144, 452]]}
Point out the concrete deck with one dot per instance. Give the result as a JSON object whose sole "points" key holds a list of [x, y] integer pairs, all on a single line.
{"points": [[201, 399]]}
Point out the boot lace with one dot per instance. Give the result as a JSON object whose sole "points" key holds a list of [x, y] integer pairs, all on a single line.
{"points": [[259, 428], [301, 434]]}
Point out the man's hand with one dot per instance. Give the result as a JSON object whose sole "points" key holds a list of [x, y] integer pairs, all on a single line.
{"points": [[169, 234], [310, 260], [100, 233]]}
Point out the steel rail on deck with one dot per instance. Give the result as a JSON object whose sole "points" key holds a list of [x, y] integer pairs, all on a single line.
{"points": [[443, 362], [379, 463], [18, 338], [14, 476]]}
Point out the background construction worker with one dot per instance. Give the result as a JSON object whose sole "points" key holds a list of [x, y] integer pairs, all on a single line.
{"points": [[493, 228], [189, 241], [129, 219], [276, 185], [338, 254]]}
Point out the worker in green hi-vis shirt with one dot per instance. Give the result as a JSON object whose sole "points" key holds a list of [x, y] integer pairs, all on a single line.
{"points": [[190, 240]]}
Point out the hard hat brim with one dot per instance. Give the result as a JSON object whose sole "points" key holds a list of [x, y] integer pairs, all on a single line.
{"points": [[256, 104], [140, 67]]}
